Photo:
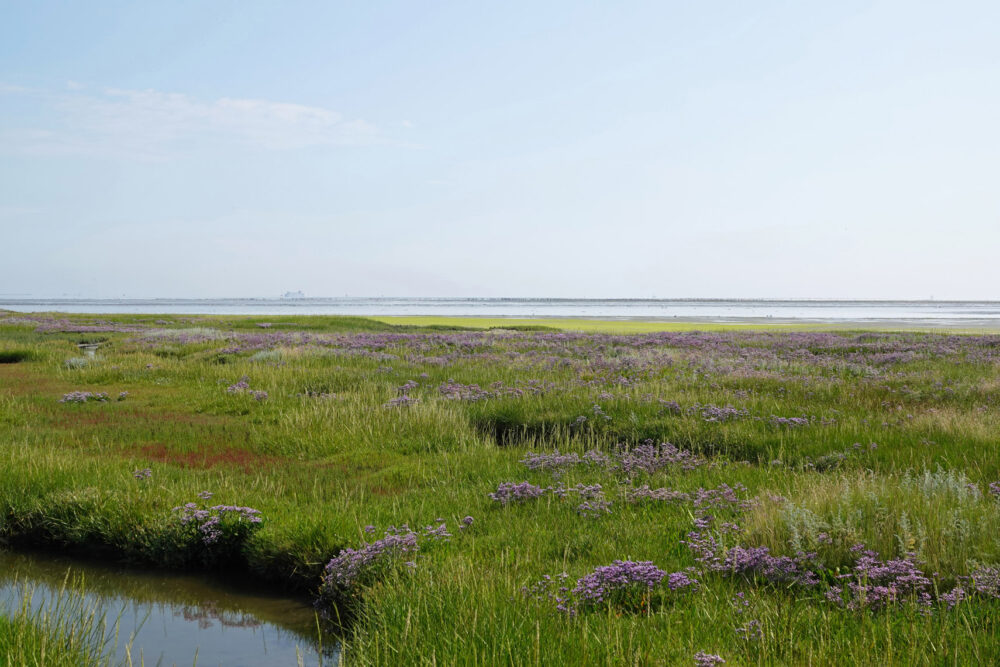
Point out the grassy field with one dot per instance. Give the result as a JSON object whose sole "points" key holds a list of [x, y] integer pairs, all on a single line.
{"points": [[454, 493], [60, 630]]}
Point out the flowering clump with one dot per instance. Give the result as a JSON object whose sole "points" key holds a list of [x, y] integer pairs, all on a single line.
{"points": [[556, 462], [702, 659], [143, 474], [511, 492], [351, 570], [791, 422], [464, 392], [646, 457], [401, 401], [649, 458], [662, 494], [875, 583], [240, 386], [404, 399], [84, 396], [624, 582], [218, 532], [243, 387], [717, 414], [352, 567], [623, 585], [593, 508]]}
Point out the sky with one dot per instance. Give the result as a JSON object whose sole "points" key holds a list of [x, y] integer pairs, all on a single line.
{"points": [[532, 149]]}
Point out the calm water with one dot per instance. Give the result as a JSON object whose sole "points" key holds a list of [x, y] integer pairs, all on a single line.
{"points": [[928, 312], [170, 618]]}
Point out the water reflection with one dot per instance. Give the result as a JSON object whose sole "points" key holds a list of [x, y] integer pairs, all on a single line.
{"points": [[167, 618]]}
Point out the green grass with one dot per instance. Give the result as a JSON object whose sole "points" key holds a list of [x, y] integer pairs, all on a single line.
{"points": [[322, 457], [62, 631]]}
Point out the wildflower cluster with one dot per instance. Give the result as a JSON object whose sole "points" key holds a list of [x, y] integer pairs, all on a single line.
{"points": [[646, 457], [352, 567], [702, 659], [623, 585], [242, 386], [218, 532], [84, 397], [404, 399], [351, 570], [512, 492], [874, 583], [473, 392]]}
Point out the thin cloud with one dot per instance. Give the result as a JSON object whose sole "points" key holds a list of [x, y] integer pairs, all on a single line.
{"points": [[155, 124]]}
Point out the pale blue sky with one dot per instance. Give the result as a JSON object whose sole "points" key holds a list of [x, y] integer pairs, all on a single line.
{"points": [[696, 149]]}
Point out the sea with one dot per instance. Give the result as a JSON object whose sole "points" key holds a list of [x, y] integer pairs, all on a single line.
{"points": [[926, 313]]}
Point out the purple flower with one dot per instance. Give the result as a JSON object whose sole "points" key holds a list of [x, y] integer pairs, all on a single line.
{"points": [[145, 473], [401, 402], [624, 582], [437, 532], [242, 385], [702, 659], [510, 492], [352, 567], [84, 396], [213, 524]]}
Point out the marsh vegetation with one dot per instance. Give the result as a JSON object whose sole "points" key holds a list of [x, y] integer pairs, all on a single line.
{"points": [[489, 496]]}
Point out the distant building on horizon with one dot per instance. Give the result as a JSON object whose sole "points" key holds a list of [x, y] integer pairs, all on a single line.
{"points": [[294, 295]]}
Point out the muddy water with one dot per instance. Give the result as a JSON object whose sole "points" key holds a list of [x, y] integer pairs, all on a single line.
{"points": [[166, 618]]}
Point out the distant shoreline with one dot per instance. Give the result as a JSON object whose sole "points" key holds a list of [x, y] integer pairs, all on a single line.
{"points": [[754, 312]]}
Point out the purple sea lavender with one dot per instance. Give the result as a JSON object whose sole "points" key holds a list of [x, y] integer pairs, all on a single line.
{"points": [[240, 386], [623, 583], [714, 413], [464, 392], [439, 532], [702, 659], [84, 396], [752, 631], [680, 581], [791, 422], [352, 567], [401, 402], [875, 583], [509, 492], [593, 508], [212, 524], [649, 458], [662, 494], [142, 474]]}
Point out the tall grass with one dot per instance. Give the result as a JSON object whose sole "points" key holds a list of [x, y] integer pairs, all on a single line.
{"points": [[55, 629], [885, 439]]}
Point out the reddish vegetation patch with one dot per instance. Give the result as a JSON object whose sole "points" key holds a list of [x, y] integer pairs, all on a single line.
{"points": [[19, 379], [208, 458]]}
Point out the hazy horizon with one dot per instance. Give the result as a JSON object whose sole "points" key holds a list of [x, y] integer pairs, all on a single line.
{"points": [[311, 297]]}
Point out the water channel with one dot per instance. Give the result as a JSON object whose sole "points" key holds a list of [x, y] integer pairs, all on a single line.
{"points": [[170, 618]]}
